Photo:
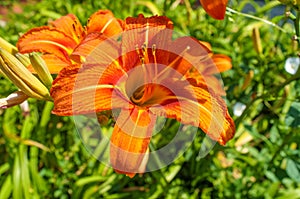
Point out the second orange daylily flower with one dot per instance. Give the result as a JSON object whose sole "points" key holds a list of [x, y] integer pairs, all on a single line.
{"points": [[58, 41], [215, 8], [143, 74]]}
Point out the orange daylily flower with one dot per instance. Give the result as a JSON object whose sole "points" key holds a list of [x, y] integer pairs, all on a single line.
{"points": [[58, 41], [215, 8], [143, 74]]}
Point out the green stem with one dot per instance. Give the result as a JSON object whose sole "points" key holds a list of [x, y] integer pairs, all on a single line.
{"points": [[296, 23], [263, 96], [256, 18], [159, 164], [286, 140], [248, 106], [189, 10]]}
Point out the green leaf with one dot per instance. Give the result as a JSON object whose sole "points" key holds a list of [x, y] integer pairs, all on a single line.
{"points": [[90, 179], [293, 170], [290, 194], [6, 189], [293, 116]]}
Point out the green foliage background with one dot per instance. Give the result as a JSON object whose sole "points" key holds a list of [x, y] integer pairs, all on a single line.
{"points": [[43, 157]]}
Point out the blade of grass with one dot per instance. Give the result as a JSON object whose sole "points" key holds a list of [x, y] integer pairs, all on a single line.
{"points": [[23, 150], [6, 189], [4, 168], [16, 179]]}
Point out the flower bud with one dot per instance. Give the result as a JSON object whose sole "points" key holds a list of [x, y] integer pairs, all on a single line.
{"points": [[41, 68], [256, 40], [21, 77], [24, 59]]}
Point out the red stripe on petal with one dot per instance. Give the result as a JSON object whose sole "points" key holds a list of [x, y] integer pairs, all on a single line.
{"points": [[71, 26]]}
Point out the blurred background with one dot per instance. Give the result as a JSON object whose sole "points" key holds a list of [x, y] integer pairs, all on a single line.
{"points": [[42, 155]]}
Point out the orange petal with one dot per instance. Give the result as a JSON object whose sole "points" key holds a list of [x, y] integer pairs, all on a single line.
{"points": [[198, 106], [214, 83], [100, 55], [187, 52], [222, 62], [130, 140], [77, 91], [47, 40], [218, 63], [206, 44], [104, 22], [160, 22], [71, 26], [90, 46], [215, 8], [53, 63], [144, 34]]}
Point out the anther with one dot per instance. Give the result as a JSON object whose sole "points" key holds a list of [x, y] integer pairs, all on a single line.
{"points": [[144, 48], [137, 49], [141, 56], [142, 59], [153, 49]]}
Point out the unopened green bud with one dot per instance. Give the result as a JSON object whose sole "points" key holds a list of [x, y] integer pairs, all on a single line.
{"points": [[21, 77], [24, 59], [256, 40], [41, 69], [2, 73]]}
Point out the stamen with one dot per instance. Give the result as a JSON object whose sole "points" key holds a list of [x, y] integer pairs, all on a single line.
{"points": [[137, 49], [180, 56], [144, 48], [141, 56], [153, 49], [142, 59], [154, 59]]}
